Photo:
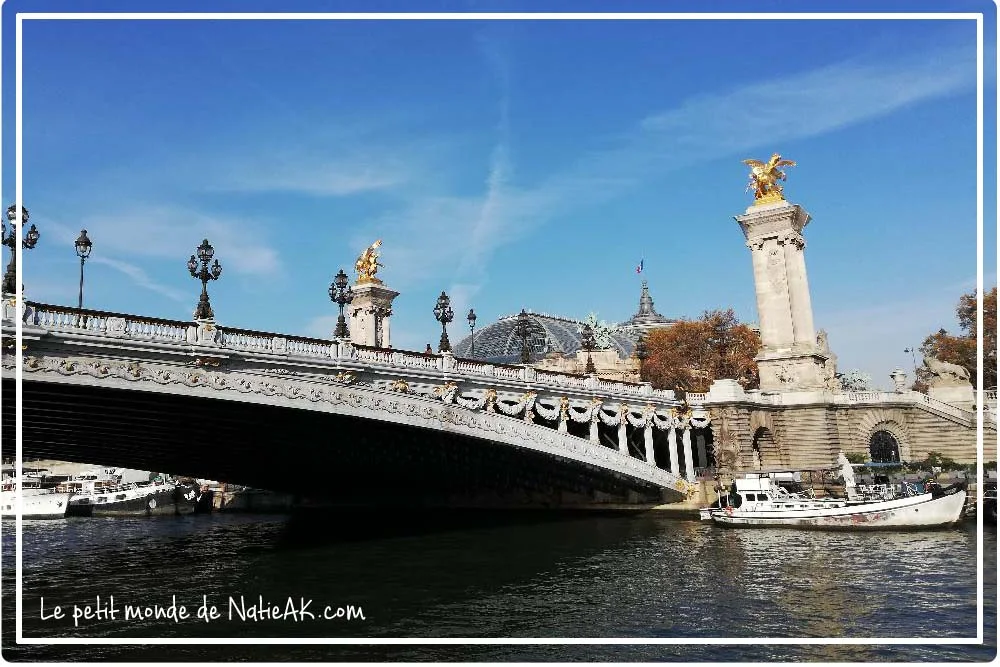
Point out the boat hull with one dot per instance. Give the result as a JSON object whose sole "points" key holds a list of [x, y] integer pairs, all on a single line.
{"points": [[152, 501], [917, 512], [45, 505]]}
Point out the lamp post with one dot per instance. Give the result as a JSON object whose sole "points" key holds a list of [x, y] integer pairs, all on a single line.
{"points": [[523, 330], [641, 352], [444, 314], [587, 343], [204, 274], [913, 356], [341, 294], [83, 248], [472, 329], [10, 240]]}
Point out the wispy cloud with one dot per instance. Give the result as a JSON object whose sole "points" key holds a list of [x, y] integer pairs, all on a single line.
{"points": [[141, 278], [315, 175], [166, 233], [811, 103], [433, 229], [488, 224], [173, 233]]}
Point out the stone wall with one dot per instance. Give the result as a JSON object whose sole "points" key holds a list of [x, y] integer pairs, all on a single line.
{"points": [[808, 436]]}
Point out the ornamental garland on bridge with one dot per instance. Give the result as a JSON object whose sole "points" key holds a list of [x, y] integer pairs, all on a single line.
{"points": [[528, 407]]}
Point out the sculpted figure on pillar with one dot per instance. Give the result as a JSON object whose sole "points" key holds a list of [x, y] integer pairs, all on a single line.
{"points": [[764, 177], [367, 265]]}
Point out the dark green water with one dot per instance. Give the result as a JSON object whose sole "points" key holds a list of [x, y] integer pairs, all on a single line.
{"points": [[634, 576]]}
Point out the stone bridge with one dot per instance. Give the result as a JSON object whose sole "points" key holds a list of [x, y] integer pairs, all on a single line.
{"points": [[366, 425], [329, 418]]}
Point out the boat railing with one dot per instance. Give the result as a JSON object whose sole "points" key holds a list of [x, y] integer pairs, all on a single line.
{"points": [[876, 491]]}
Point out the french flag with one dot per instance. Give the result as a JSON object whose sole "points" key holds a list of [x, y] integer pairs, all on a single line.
{"points": [[638, 269]]}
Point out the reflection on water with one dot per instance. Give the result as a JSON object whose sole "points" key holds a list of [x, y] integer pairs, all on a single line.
{"points": [[526, 576]]}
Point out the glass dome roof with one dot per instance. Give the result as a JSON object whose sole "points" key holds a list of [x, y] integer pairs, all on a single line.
{"points": [[499, 343]]}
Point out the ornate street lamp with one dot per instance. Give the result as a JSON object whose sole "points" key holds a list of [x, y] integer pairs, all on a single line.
{"points": [[641, 352], [523, 330], [444, 314], [913, 355], [472, 328], [587, 343], [204, 274], [83, 248], [10, 240], [341, 294]]}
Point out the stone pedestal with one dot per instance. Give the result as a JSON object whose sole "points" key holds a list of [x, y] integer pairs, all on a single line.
{"points": [[725, 389], [790, 358], [960, 395], [370, 312], [202, 332]]}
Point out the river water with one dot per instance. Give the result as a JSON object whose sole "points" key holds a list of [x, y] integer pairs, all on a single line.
{"points": [[527, 575]]}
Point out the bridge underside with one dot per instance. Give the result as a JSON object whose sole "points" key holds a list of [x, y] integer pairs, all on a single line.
{"points": [[314, 455]]}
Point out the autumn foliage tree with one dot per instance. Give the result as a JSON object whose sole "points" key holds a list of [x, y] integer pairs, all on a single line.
{"points": [[692, 353], [961, 349]]}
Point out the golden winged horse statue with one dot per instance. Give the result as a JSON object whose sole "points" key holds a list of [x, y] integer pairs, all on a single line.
{"points": [[367, 265], [764, 177]]}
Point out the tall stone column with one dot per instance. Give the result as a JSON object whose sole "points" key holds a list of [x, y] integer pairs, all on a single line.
{"points": [[370, 313], [804, 336], [790, 358]]}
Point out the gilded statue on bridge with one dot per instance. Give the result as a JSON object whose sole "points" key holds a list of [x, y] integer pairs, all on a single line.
{"points": [[367, 264], [764, 177]]}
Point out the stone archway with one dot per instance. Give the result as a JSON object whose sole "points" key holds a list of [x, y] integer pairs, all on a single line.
{"points": [[889, 422], [764, 450], [883, 447]]}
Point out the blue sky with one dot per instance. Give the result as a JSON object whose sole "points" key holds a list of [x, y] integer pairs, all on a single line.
{"points": [[513, 164]]}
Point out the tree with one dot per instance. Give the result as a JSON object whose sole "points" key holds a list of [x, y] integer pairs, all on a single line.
{"points": [[692, 353], [855, 380], [961, 349]]}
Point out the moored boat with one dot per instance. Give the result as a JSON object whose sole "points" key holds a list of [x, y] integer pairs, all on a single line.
{"points": [[36, 501], [754, 501], [104, 494]]}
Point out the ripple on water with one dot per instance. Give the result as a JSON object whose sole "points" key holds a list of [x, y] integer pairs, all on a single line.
{"points": [[639, 576]]}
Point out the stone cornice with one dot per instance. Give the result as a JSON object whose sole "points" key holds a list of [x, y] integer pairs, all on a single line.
{"points": [[773, 221]]}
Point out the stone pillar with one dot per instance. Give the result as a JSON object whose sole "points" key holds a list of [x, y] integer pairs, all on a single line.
{"points": [[800, 306], [790, 358], [702, 452], [675, 466], [688, 456], [370, 313], [647, 439]]}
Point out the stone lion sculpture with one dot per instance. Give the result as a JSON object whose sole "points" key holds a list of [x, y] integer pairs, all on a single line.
{"points": [[943, 373]]}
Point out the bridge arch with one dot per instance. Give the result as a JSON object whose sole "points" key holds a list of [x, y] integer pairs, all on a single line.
{"points": [[376, 428]]}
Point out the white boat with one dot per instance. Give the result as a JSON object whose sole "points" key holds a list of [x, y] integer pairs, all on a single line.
{"points": [[754, 501], [38, 502]]}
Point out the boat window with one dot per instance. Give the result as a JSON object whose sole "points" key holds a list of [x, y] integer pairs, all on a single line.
{"points": [[737, 499], [751, 496]]}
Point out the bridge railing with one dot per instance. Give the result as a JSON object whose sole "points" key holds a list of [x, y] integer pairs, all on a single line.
{"points": [[103, 322], [122, 325]]}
